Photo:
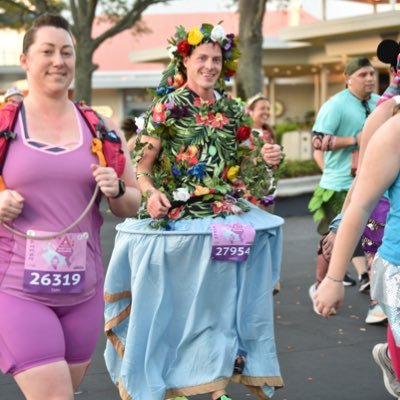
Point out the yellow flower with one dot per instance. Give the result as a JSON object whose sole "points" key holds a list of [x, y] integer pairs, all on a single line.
{"points": [[233, 172], [201, 191], [195, 36]]}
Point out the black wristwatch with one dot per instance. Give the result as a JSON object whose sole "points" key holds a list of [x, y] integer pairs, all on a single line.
{"points": [[121, 189]]}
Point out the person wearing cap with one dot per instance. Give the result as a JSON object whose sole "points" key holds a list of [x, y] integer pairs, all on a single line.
{"points": [[336, 134], [188, 290]]}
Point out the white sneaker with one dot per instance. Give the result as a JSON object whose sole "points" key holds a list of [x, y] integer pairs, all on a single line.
{"points": [[375, 314], [379, 353], [311, 292]]}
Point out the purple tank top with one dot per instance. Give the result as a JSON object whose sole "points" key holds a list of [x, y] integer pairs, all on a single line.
{"points": [[57, 184]]}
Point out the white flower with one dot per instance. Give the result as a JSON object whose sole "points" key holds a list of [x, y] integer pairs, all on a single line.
{"points": [[139, 123], [171, 51], [181, 194], [236, 209], [218, 34]]}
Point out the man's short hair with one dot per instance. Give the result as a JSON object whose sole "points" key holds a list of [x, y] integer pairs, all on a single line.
{"points": [[355, 64]]}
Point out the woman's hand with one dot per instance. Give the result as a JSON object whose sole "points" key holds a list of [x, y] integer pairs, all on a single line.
{"points": [[107, 179], [11, 205], [330, 294], [271, 154], [157, 204]]}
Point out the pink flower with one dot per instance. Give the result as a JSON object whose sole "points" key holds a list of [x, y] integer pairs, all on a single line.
{"points": [[159, 115], [202, 119], [218, 120]]}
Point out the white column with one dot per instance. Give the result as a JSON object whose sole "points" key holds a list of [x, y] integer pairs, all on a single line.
{"points": [[323, 10], [317, 93], [272, 98], [324, 84]]}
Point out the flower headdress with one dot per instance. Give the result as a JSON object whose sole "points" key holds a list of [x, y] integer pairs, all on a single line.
{"points": [[183, 43]]}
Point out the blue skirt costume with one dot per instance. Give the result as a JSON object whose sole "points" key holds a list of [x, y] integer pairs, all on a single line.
{"points": [[175, 318]]}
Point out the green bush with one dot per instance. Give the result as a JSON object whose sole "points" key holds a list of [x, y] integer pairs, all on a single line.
{"points": [[297, 168]]}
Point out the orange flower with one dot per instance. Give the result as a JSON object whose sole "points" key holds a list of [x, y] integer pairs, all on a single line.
{"points": [[201, 191]]}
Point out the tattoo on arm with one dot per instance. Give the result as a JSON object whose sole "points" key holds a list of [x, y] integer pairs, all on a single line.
{"points": [[323, 142]]}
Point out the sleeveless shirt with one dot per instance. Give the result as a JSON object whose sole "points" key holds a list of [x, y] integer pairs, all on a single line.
{"points": [[57, 184]]}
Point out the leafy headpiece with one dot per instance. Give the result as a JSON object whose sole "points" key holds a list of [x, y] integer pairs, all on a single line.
{"points": [[183, 43]]}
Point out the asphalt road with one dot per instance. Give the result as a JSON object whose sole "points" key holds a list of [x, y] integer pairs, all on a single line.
{"points": [[320, 359]]}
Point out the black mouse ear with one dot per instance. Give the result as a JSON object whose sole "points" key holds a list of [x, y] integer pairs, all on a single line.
{"points": [[387, 52]]}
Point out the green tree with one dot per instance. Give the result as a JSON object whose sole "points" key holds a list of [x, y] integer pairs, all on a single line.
{"points": [[122, 14]]}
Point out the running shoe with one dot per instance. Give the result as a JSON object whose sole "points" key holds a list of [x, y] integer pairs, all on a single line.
{"points": [[380, 355], [224, 397], [364, 282], [375, 314], [348, 281]]}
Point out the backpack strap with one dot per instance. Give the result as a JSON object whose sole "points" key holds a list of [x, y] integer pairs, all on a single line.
{"points": [[97, 128], [8, 119], [106, 144]]}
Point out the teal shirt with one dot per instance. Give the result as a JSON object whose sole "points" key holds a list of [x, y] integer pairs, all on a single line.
{"points": [[343, 115]]}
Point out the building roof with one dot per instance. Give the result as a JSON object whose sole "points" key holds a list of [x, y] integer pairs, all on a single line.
{"points": [[130, 51]]}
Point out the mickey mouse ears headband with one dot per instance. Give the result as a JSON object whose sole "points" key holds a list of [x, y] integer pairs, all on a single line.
{"points": [[388, 52]]}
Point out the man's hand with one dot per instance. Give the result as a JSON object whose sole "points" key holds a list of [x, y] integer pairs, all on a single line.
{"points": [[158, 204], [327, 244], [271, 154]]}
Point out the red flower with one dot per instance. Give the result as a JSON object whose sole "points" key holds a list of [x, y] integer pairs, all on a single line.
{"points": [[183, 47], [217, 207], [175, 213], [243, 133], [224, 174], [229, 73], [159, 115], [252, 199]]}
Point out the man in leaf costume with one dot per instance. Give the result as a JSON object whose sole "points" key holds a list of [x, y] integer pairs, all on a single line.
{"points": [[335, 133], [189, 285]]}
